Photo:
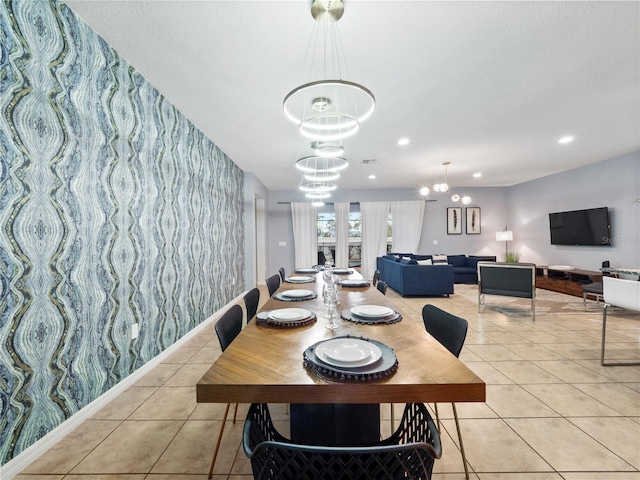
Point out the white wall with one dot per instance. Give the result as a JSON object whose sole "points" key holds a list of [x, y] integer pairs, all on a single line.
{"points": [[613, 183], [253, 189]]}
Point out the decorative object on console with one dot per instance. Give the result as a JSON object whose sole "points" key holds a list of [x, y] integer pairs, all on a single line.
{"points": [[454, 221], [473, 220], [512, 257]]}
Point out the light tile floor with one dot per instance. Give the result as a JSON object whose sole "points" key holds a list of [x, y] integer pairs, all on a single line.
{"points": [[552, 411]]}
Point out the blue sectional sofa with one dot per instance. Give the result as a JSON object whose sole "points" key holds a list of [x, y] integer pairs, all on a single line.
{"points": [[465, 268], [412, 279], [425, 279]]}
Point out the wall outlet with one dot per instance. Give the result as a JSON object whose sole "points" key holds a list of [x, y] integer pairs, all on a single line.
{"points": [[134, 331], [435, 242], [282, 244]]}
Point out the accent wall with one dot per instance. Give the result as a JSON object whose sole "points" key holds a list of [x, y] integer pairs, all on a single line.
{"points": [[114, 210]]}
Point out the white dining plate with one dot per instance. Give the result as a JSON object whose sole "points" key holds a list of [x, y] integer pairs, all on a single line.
{"points": [[297, 293], [299, 279], [289, 314], [306, 270], [372, 311], [348, 352], [341, 270]]}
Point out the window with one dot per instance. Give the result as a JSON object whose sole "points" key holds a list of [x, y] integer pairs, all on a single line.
{"points": [[326, 225]]}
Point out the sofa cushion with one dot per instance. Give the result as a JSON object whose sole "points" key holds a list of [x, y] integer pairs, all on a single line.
{"points": [[421, 257], [425, 262], [465, 270], [440, 259], [408, 261], [457, 260]]}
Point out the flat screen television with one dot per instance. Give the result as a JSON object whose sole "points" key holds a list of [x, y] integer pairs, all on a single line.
{"points": [[581, 227]]}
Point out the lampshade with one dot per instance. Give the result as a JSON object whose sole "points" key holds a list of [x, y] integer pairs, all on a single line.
{"points": [[504, 236]]}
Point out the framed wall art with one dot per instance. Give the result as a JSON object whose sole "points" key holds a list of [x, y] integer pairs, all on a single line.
{"points": [[473, 220], [454, 221]]}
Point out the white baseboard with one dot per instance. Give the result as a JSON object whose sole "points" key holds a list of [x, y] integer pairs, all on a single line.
{"points": [[14, 466]]}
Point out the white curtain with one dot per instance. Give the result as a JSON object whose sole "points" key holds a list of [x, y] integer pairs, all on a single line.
{"points": [[407, 218], [342, 234], [375, 220], [305, 234]]}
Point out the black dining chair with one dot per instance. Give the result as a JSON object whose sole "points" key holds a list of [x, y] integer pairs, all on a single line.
{"points": [[273, 283], [382, 286], [227, 328], [376, 277], [451, 332], [282, 275], [409, 452], [251, 300]]}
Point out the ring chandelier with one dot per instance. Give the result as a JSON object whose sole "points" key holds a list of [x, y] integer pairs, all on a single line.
{"points": [[328, 108], [315, 164]]}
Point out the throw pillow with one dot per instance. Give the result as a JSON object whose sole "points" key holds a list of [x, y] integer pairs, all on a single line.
{"points": [[440, 260], [425, 262]]}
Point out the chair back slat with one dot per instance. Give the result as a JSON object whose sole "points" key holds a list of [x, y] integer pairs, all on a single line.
{"points": [[448, 329], [273, 283], [251, 301], [622, 293], [409, 452], [229, 326]]}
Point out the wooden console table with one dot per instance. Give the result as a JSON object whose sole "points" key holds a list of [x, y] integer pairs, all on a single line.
{"points": [[565, 281]]}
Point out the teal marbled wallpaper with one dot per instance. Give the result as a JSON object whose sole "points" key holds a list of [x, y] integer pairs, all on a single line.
{"points": [[114, 210]]}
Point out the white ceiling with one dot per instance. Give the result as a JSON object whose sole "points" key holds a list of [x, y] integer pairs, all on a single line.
{"points": [[488, 86]]}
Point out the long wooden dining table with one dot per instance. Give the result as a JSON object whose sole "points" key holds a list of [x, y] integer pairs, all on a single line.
{"points": [[264, 364]]}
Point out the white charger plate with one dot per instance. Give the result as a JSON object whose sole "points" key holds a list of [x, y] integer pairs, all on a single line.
{"points": [[299, 279], [348, 352], [341, 270], [297, 293], [371, 311], [306, 270], [289, 314]]}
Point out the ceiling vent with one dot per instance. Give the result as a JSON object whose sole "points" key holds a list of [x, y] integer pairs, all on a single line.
{"points": [[369, 161]]}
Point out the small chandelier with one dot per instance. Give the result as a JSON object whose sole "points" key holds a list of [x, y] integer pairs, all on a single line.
{"points": [[328, 109], [444, 188]]}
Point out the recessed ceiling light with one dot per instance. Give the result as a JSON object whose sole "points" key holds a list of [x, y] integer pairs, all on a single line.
{"points": [[566, 140], [477, 175], [371, 177], [403, 141], [424, 191]]}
